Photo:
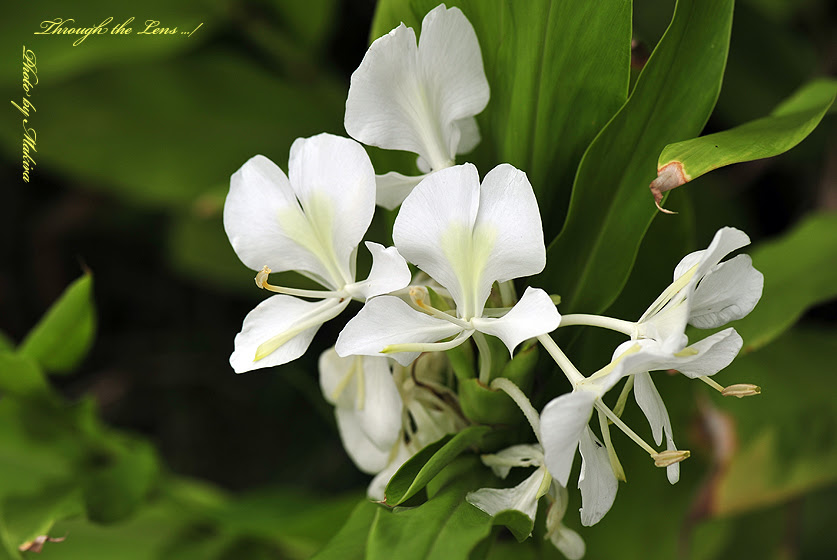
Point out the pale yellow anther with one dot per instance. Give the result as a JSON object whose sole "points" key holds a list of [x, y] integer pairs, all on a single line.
{"points": [[741, 390], [666, 458], [261, 278]]}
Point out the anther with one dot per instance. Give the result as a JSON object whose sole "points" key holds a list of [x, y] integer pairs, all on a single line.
{"points": [[666, 458], [741, 390], [261, 278]]}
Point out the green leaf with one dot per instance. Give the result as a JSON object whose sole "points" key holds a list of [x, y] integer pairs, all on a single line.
{"points": [[785, 436], [798, 272], [446, 526], [350, 541], [770, 136], [21, 376], [63, 336], [610, 210], [29, 516], [516, 521], [426, 464], [553, 86]]}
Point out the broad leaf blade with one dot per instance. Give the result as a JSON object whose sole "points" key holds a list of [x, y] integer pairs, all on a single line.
{"points": [[798, 272], [62, 337], [609, 210], [427, 463], [770, 136]]}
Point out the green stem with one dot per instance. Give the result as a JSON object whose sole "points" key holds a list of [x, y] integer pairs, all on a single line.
{"points": [[485, 358]]}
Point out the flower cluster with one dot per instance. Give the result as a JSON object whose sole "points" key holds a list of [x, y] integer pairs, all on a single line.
{"points": [[388, 375]]}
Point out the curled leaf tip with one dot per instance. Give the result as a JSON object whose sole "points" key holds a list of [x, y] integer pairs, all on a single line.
{"points": [[669, 176]]}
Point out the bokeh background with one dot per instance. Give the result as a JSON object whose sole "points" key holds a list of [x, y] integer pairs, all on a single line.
{"points": [[137, 138]]}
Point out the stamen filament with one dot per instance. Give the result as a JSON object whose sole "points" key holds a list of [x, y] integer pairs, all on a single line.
{"points": [[624, 427], [522, 402], [611, 451], [507, 294], [485, 357], [428, 346], [712, 383], [422, 304], [261, 282], [669, 292], [561, 359], [618, 325], [623, 396]]}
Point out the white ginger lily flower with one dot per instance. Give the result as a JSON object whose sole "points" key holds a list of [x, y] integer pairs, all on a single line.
{"points": [[706, 293], [466, 237], [368, 406], [310, 221], [565, 539], [419, 98]]}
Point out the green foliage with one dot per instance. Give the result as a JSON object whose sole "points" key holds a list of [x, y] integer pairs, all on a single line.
{"points": [[62, 338], [422, 467]]}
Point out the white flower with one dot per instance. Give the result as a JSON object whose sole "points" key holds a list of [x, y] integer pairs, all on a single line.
{"points": [[566, 540], [466, 237], [368, 406], [420, 99], [563, 430], [705, 293], [310, 221]]}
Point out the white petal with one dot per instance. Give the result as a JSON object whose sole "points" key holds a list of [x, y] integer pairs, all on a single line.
{"points": [[404, 97], [568, 542], [434, 230], [597, 482], [508, 214], [533, 315], [335, 183], [562, 421], [387, 320], [728, 292], [469, 135], [451, 63], [365, 454], [392, 188], [649, 400], [712, 354], [258, 211], [389, 273], [523, 497], [726, 241], [523, 455], [280, 316], [364, 384]]}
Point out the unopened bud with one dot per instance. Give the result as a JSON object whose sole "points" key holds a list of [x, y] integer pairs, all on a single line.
{"points": [[419, 296], [261, 277], [741, 390], [666, 458]]}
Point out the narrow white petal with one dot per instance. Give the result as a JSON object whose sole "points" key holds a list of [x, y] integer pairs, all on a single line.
{"points": [[387, 320], [725, 241], [434, 231], [380, 414], [260, 215], [562, 421], [337, 381], [389, 273], [711, 355], [728, 292], [568, 542], [523, 497], [597, 482], [335, 183], [361, 449], [392, 188], [533, 315], [649, 400], [279, 319], [451, 65]]}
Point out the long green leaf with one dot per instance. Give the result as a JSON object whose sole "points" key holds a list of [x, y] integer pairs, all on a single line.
{"points": [[610, 212], [799, 272], [446, 526], [350, 541], [558, 70], [427, 463], [770, 136], [62, 337]]}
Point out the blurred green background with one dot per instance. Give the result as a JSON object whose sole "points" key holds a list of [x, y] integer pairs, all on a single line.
{"points": [[137, 138]]}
